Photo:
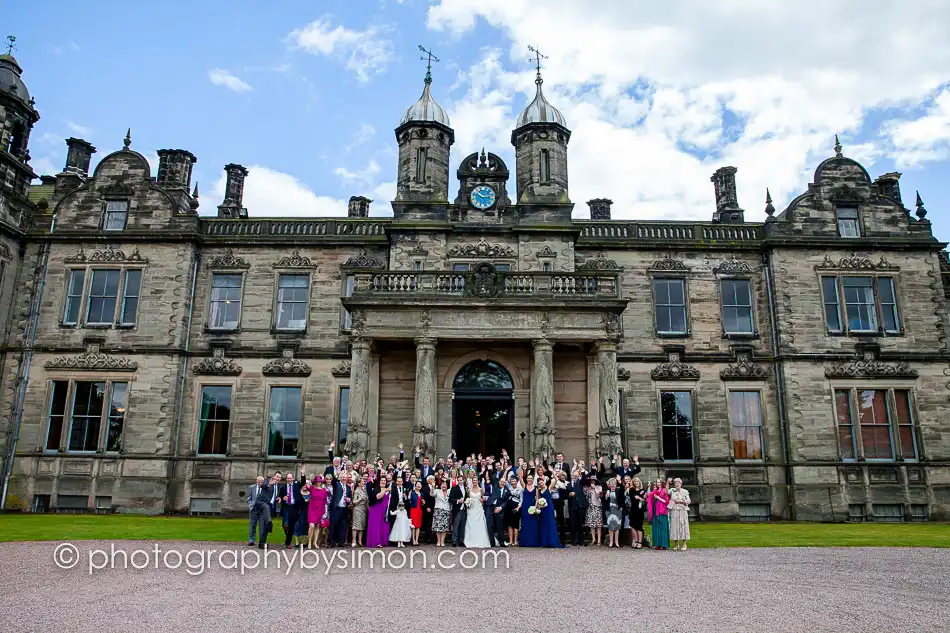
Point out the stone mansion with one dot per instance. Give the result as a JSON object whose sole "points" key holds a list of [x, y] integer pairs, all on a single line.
{"points": [[157, 360]]}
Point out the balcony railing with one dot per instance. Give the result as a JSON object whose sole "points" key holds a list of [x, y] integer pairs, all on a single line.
{"points": [[303, 227], [481, 284]]}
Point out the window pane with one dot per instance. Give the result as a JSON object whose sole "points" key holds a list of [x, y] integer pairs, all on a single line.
{"points": [[885, 289], [677, 413], [737, 306], [57, 413], [214, 419], [829, 293], [845, 424], [293, 294], [859, 304], [669, 295], [103, 292], [87, 413], [225, 301], [116, 214], [875, 426], [746, 418], [130, 301], [74, 296], [120, 392], [344, 414], [905, 424], [284, 421]]}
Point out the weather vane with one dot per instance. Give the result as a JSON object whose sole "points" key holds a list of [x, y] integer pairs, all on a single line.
{"points": [[10, 44], [431, 58], [537, 58]]}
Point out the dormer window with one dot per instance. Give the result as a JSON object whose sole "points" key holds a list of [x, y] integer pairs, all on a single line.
{"points": [[848, 222], [117, 214]]}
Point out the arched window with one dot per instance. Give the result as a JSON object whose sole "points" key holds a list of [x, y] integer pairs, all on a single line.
{"points": [[483, 374]]}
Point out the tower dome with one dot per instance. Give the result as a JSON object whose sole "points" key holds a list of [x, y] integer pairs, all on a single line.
{"points": [[10, 81], [540, 110], [426, 109]]}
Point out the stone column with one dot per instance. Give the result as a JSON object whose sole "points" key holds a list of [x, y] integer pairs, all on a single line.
{"points": [[609, 419], [357, 442], [424, 426], [542, 396]]}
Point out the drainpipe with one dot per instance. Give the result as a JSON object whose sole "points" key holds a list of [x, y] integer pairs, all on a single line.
{"points": [[23, 371], [173, 461], [779, 369]]}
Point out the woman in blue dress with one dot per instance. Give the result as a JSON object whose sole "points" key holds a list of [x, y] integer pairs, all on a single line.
{"points": [[530, 535], [549, 536]]}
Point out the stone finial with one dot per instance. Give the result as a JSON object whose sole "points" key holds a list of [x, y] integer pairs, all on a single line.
{"points": [[838, 153], [599, 208], [193, 203], [194, 194], [921, 211], [127, 141], [769, 209]]}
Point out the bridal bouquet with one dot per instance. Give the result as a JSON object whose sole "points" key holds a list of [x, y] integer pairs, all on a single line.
{"points": [[469, 503], [542, 503], [534, 510]]}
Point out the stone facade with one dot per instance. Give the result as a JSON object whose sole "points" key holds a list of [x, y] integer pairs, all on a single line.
{"points": [[157, 360]]}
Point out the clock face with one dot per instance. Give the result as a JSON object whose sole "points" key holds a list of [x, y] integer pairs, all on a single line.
{"points": [[483, 197]]}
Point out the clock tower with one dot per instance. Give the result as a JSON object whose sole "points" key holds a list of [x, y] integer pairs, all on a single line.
{"points": [[483, 189]]}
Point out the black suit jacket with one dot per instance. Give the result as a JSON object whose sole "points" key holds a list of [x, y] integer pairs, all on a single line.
{"points": [[577, 503], [623, 472], [288, 490], [493, 498], [339, 490], [455, 493]]}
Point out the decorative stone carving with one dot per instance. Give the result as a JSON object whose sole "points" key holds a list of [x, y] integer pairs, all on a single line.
{"points": [[117, 190], [107, 255], [217, 365], [545, 324], [286, 366], [228, 260], [599, 263], [611, 321], [542, 386], [674, 369], [295, 260], [623, 373], [425, 322], [363, 260], [481, 248], [856, 263], [547, 251], [423, 429], [358, 322], [668, 264], [744, 369], [418, 251], [734, 267], [357, 442], [867, 365], [608, 436], [844, 193], [91, 360], [486, 281], [5, 251], [342, 370]]}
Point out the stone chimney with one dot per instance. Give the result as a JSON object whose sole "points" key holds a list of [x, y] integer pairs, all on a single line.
{"points": [[358, 207], [889, 185], [599, 208], [174, 168], [78, 155], [233, 204], [727, 204]]}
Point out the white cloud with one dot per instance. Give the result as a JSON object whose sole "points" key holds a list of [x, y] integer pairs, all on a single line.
{"points": [[79, 130], [363, 133], [659, 97], [222, 77], [365, 53], [272, 193], [362, 177]]}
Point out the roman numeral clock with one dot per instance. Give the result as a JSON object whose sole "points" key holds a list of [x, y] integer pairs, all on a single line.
{"points": [[483, 187]]}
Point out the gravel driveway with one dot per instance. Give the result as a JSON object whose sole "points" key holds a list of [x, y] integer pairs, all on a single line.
{"points": [[579, 589]]}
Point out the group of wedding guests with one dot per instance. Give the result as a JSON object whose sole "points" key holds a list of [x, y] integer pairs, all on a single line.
{"points": [[472, 502]]}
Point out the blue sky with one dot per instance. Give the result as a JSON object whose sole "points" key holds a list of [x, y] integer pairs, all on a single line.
{"points": [[307, 94]]}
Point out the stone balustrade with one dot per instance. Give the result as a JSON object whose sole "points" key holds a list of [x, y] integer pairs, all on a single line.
{"points": [[592, 285]]}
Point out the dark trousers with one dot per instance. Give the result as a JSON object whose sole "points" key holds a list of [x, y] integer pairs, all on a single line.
{"points": [[559, 516], [339, 519], [577, 525], [290, 522], [496, 526], [260, 523], [458, 526], [425, 535]]}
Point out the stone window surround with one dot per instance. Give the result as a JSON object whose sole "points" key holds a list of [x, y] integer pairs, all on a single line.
{"points": [[225, 271], [763, 427], [274, 312], [684, 277], [754, 334], [68, 413], [838, 275], [84, 300], [691, 388], [210, 381], [337, 385], [347, 278], [890, 386], [269, 384]]}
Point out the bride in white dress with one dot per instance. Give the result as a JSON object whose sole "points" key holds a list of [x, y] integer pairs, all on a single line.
{"points": [[476, 530], [401, 530]]}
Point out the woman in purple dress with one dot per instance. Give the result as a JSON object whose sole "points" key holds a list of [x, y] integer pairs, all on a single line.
{"points": [[377, 527]]}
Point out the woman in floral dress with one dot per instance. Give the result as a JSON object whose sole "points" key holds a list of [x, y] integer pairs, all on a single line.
{"points": [[595, 511], [679, 515]]}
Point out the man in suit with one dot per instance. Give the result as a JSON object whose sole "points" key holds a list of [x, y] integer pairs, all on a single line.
{"points": [[624, 468], [292, 502], [274, 496], [340, 502], [259, 497], [425, 467], [577, 505], [334, 467], [457, 494], [494, 505]]}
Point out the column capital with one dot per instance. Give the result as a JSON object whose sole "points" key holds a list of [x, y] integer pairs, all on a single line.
{"points": [[425, 342], [605, 346], [361, 342], [542, 345]]}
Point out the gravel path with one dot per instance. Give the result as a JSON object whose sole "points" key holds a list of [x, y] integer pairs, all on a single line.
{"points": [[579, 589]]}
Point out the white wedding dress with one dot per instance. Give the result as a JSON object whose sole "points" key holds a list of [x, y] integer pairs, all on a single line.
{"points": [[476, 530], [401, 531]]}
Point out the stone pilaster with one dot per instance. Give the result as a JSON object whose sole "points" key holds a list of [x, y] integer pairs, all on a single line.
{"points": [[542, 397], [357, 443], [609, 431], [424, 426]]}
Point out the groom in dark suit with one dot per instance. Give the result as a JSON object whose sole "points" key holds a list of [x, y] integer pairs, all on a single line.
{"points": [[340, 502], [494, 507], [457, 496], [292, 503], [577, 506]]}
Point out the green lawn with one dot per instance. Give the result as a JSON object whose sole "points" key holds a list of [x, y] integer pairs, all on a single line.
{"points": [[68, 527]]}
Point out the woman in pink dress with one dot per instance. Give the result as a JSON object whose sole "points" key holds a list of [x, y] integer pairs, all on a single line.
{"points": [[377, 528], [316, 510]]}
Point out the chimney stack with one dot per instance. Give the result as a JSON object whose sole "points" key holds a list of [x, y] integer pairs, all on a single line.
{"points": [[78, 155], [599, 208], [889, 185], [233, 204], [727, 204], [358, 207], [174, 168]]}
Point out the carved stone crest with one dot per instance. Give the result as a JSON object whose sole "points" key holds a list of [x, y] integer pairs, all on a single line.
{"points": [[744, 369], [855, 263], [486, 281], [295, 260], [481, 248], [342, 370], [668, 264], [117, 190], [598, 263], [418, 251], [623, 373], [363, 260], [91, 360], [287, 365], [217, 365], [867, 365], [546, 251], [611, 321], [228, 260], [674, 369]]}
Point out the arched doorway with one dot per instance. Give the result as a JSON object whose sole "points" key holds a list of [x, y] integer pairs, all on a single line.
{"points": [[483, 409]]}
